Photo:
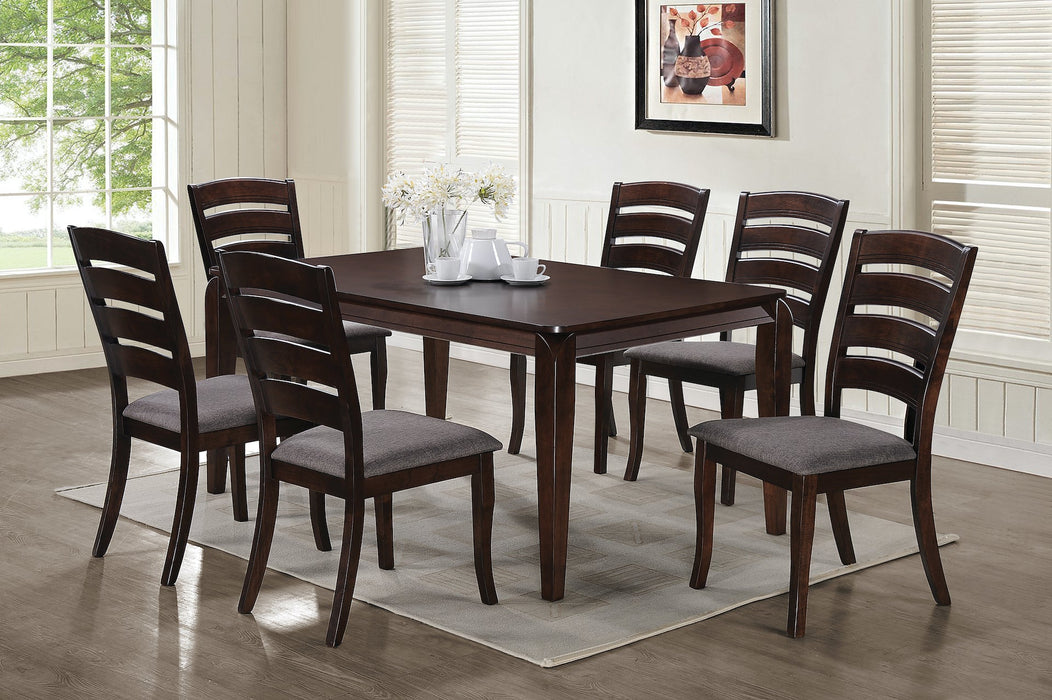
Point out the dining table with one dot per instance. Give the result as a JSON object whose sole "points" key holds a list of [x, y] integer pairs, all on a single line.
{"points": [[580, 310]]}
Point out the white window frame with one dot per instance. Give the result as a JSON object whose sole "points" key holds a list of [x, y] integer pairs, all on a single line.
{"points": [[167, 70], [1034, 199]]}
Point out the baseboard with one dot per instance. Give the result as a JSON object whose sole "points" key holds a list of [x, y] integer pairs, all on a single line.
{"points": [[989, 450], [66, 362]]}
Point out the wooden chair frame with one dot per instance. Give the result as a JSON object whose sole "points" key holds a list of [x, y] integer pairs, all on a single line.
{"points": [[886, 269], [629, 244], [274, 295], [769, 228]]}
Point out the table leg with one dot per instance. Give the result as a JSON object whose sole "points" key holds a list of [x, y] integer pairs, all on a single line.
{"points": [[556, 366], [436, 376], [774, 343]]}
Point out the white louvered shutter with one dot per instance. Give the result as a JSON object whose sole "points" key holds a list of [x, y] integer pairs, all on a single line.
{"points": [[452, 86], [989, 176]]}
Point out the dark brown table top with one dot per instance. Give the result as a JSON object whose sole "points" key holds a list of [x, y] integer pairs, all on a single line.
{"points": [[578, 299]]}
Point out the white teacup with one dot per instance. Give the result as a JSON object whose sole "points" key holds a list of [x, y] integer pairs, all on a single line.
{"points": [[526, 269], [446, 269]]}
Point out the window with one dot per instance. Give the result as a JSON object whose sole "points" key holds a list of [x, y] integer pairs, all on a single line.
{"points": [[452, 94], [989, 173], [84, 126]]}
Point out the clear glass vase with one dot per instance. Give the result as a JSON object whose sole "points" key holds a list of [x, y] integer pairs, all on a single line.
{"points": [[444, 233]]}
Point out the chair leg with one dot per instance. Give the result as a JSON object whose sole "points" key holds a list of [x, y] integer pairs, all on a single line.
{"points": [[807, 395], [378, 372], [679, 414], [924, 524], [216, 471], [841, 528], [611, 422], [184, 514], [120, 456], [801, 540], [238, 488], [732, 405], [518, 402], [482, 527], [266, 516], [604, 377], [353, 522], [705, 507], [384, 531], [318, 523], [637, 417]]}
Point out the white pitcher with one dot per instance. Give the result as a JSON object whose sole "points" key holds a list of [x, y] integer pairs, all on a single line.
{"points": [[486, 257]]}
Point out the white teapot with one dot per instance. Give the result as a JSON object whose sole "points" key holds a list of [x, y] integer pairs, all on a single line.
{"points": [[486, 257]]}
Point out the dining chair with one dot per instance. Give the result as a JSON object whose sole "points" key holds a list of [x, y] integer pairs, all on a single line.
{"points": [[652, 226], [898, 314], [287, 320], [138, 320], [245, 213], [785, 239]]}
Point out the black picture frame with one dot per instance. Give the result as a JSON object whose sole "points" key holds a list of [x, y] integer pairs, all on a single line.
{"points": [[654, 99]]}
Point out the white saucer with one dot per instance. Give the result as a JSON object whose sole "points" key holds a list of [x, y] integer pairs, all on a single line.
{"points": [[431, 279], [539, 279]]}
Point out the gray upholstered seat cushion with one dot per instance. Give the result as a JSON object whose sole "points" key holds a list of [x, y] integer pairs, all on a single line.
{"points": [[355, 331], [720, 357], [806, 444], [394, 440], [222, 402]]}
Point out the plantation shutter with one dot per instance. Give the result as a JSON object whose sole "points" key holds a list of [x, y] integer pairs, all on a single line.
{"points": [[451, 77], [989, 176]]}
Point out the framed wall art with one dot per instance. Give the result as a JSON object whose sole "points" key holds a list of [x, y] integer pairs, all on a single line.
{"points": [[705, 67]]}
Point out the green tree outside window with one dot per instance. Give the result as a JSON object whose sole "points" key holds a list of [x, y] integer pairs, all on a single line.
{"points": [[77, 123]]}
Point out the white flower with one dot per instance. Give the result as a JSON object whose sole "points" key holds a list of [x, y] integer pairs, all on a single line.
{"points": [[444, 186]]}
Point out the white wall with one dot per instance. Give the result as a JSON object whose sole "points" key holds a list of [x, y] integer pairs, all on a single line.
{"points": [[334, 123]]}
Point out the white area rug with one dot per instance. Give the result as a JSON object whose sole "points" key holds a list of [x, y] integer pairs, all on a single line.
{"points": [[630, 553]]}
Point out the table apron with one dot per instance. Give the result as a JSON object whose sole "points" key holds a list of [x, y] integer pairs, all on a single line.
{"points": [[523, 340]]}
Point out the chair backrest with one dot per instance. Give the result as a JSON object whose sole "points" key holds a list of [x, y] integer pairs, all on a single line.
{"points": [[149, 344], [266, 220], [903, 295], [791, 240], [287, 320], [651, 215]]}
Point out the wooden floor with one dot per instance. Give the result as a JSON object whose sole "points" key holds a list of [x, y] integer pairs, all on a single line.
{"points": [[74, 626]]}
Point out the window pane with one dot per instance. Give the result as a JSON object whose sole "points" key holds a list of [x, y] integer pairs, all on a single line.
{"points": [[80, 155], [80, 82], [133, 213], [131, 81], [130, 22], [23, 22], [131, 152], [23, 81], [23, 232], [76, 210], [23, 156], [79, 22]]}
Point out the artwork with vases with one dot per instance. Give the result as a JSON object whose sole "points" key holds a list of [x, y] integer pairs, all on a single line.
{"points": [[703, 53], [705, 67]]}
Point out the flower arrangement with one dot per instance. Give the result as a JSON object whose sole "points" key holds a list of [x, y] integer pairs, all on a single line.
{"points": [[439, 200], [699, 20], [443, 186]]}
